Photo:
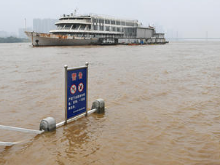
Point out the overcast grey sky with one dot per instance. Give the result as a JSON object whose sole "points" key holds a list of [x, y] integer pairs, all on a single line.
{"points": [[191, 18]]}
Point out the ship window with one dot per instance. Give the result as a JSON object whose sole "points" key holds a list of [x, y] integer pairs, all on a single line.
{"points": [[74, 27], [130, 24], [117, 22], [112, 22], [101, 28], [107, 21], [101, 21], [107, 28], [95, 27], [82, 27]]}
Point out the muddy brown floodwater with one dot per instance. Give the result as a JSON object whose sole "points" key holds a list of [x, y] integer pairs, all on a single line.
{"points": [[163, 104]]}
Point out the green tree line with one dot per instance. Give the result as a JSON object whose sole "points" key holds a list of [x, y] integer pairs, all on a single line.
{"points": [[13, 40]]}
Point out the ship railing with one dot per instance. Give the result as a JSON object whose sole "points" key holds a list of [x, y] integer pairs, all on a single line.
{"points": [[80, 30], [65, 28], [73, 21]]}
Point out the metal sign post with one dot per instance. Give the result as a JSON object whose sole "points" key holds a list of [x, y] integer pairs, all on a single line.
{"points": [[76, 91]]}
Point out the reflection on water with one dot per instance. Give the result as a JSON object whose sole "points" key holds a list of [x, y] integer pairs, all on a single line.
{"points": [[163, 104]]}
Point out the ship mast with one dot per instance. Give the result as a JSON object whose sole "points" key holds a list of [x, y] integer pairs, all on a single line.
{"points": [[75, 11], [25, 28]]}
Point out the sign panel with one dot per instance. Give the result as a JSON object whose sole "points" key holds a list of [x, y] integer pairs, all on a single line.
{"points": [[76, 91]]}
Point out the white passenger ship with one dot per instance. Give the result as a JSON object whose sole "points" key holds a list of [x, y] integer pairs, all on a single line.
{"points": [[94, 30]]}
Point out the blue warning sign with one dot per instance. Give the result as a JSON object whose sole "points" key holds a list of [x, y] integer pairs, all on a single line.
{"points": [[76, 95]]}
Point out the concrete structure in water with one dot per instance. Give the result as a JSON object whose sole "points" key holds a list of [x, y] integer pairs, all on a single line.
{"points": [[49, 124]]}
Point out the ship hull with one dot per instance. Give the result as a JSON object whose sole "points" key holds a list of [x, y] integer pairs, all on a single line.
{"points": [[44, 39]]}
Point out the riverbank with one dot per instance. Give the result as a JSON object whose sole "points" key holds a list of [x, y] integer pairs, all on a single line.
{"points": [[13, 40]]}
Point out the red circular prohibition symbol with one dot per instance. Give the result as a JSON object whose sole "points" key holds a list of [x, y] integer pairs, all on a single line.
{"points": [[80, 87], [73, 89]]}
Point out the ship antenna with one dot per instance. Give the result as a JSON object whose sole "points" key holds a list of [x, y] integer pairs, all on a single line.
{"points": [[25, 28], [75, 11]]}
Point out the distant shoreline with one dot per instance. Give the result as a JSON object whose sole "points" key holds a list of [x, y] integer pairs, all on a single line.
{"points": [[193, 39], [13, 40]]}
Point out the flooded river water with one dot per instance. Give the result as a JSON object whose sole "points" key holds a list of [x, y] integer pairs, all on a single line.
{"points": [[162, 104]]}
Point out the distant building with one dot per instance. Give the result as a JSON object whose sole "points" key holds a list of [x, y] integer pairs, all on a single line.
{"points": [[21, 33], [44, 25], [3, 34]]}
